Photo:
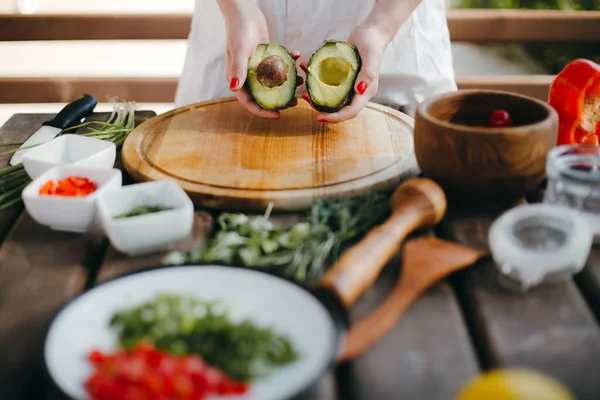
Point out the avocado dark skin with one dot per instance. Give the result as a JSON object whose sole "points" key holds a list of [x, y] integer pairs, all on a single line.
{"points": [[272, 77], [271, 71]]}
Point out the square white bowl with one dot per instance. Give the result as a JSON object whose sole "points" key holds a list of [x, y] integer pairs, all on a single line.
{"points": [[147, 233], [69, 149], [70, 214]]}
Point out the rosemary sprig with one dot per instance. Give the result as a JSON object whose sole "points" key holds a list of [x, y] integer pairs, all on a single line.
{"points": [[303, 251], [116, 128]]}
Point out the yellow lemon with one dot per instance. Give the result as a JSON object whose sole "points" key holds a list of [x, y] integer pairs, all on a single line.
{"points": [[514, 384]]}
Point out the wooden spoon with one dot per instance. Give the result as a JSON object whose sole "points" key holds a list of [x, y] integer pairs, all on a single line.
{"points": [[425, 261]]}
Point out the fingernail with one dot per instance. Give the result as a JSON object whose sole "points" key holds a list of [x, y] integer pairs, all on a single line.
{"points": [[233, 84], [362, 88], [321, 120]]}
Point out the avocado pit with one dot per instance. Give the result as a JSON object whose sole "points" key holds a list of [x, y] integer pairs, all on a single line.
{"points": [[334, 71], [271, 71]]}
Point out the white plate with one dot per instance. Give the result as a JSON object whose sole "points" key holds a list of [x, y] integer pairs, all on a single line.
{"points": [[269, 301]]}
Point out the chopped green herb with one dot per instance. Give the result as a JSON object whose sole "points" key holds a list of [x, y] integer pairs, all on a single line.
{"points": [[141, 210], [185, 325]]}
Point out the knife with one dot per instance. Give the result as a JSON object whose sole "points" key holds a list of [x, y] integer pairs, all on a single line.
{"points": [[67, 117]]}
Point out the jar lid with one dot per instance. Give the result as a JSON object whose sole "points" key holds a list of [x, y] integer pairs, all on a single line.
{"points": [[532, 242]]}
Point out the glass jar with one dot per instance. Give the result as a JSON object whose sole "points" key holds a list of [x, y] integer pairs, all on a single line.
{"points": [[573, 174]]}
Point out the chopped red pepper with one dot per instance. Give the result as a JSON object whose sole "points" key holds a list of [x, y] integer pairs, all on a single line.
{"points": [[575, 95], [71, 186], [145, 373], [48, 188]]}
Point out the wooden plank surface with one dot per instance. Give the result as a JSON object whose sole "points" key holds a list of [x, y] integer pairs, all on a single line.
{"points": [[62, 90], [550, 328], [547, 26], [15, 130], [39, 271], [428, 354], [464, 25], [16, 27], [536, 86], [589, 280]]}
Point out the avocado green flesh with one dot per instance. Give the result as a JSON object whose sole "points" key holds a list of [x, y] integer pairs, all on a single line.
{"points": [[272, 98], [332, 71]]}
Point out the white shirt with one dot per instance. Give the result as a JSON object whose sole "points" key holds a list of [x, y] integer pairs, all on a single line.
{"points": [[416, 64]]}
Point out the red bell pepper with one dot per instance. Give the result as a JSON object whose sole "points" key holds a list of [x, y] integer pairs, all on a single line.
{"points": [[72, 186], [575, 95]]}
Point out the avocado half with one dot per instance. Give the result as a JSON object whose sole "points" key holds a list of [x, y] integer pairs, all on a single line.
{"points": [[332, 72], [271, 77]]}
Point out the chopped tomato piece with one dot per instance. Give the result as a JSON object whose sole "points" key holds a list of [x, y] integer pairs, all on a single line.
{"points": [[145, 373], [500, 118]]}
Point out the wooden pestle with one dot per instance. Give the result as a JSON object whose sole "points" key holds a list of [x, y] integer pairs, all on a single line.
{"points": [[417, 203]]}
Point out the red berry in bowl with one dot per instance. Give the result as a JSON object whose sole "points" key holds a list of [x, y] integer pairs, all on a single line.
{"points": [[500, 118]]}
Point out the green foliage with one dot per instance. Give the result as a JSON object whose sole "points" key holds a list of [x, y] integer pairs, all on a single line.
{"points": [[552, 56]]}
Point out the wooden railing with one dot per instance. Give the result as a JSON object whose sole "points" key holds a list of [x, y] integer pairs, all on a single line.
{"points": [[477, 26]]}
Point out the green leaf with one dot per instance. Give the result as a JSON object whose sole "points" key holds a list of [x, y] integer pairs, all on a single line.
{"points": [[250, 255], [269, 246]]}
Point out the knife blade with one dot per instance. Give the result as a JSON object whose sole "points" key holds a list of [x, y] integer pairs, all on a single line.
{"points": [[69, 116]]}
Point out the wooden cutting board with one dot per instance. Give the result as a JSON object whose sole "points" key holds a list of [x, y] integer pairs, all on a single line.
{"points": [[225, 158]]}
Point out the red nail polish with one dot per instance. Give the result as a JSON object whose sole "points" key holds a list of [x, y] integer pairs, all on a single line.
{"points": [[233, 84], [321, 120], [361, 88]]}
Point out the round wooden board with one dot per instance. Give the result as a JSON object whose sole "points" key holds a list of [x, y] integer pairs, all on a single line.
{"points": [[225, 158]]}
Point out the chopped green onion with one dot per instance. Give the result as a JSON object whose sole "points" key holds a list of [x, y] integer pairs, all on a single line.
{"points": [[303, 251]]}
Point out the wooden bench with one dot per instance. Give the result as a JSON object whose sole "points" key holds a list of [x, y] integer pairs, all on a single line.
{"points": [[477, 26]]}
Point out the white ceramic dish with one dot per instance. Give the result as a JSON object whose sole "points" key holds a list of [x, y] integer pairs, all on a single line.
{"points": [[84, 323], [75, 150], [71, 214], [146, 233]]}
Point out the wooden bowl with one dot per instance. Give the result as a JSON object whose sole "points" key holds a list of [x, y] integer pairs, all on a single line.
{"points": [[479, 166]]}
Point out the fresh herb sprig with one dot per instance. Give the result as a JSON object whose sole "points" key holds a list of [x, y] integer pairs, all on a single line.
{"points": [[302, 251], [115, 129]]}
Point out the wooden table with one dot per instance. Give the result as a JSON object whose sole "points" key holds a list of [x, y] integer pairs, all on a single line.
{"points": [[456, 329]]}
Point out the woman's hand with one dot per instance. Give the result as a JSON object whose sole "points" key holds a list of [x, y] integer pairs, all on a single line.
{"points": [[371, 45], [246, 28]]}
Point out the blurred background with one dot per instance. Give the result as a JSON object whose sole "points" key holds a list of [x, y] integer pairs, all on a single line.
{"points": [[504, 50]]}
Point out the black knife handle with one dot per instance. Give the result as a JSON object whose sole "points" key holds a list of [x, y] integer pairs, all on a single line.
{"points": [[73, 112]]}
